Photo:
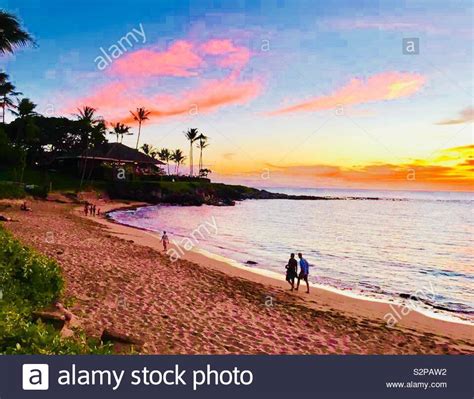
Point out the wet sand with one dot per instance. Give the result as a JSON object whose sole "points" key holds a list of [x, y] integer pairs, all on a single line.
{"points": [[117, 277]]}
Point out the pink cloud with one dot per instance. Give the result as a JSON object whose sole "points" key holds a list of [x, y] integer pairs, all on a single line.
{"points": [[114, 100], [218, 47], [232, 56], [207, 97], [110, 95], [138, 70], [180, 59], [383, 86], [110, 100]]}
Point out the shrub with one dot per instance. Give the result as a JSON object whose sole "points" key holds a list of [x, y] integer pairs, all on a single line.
{"points": [[26, 275], [11, 190], [28, 282]]}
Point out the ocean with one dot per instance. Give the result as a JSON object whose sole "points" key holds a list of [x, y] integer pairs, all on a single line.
{"points": [[406, 245]]}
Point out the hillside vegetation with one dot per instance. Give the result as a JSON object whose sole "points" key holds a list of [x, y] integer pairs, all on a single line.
{"points": [[30, 282]]}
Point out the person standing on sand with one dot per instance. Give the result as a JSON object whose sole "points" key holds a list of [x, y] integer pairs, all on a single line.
{"points": [[165, 241], [86, 208], [93, 210], [291, 271], [304, 272], [24, 207]]}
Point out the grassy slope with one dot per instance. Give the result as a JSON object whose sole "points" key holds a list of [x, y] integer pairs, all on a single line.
{"points": [[177, 192], [58, 181]]}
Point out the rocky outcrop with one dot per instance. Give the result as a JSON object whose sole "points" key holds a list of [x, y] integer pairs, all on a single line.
{"points": [[121, 342]]}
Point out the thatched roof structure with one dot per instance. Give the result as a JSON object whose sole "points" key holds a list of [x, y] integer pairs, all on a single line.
{"points": [[116, 152]]}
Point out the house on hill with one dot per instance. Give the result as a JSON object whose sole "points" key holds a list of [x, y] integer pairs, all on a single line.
{"points": [[109, 161]]}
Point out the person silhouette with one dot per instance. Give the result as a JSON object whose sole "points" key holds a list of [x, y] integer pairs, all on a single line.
{"points": [[291, 271], [304, 272], [165, 241]]}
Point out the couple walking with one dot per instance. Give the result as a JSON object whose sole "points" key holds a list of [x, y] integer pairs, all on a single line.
{"points": [[292, 272]]}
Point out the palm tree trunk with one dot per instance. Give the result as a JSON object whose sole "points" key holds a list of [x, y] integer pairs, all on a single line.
{"points": [[200, 161], [138, 138], [86, 152], [83, 171], [190, 157]]}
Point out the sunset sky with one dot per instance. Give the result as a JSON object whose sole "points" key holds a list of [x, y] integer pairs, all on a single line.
{"points": [[291, 93]]}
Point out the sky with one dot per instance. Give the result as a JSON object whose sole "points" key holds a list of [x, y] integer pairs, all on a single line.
{"points": [[290, 93]]}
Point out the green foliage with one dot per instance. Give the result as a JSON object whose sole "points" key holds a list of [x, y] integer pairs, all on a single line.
{"points": [[26, 276], [9, 155], [59, 181], [191, 192], [28, 282], [11, 190]]}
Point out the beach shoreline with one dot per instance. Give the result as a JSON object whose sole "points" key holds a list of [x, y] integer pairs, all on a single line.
{"points": [[411, 276], [331, 297], [198, 298]]}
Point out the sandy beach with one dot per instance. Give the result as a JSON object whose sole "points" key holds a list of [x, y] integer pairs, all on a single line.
{"points": [[118, 278]]}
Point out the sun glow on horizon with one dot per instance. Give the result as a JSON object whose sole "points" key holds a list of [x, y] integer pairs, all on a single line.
{"points": [[327, 97]]}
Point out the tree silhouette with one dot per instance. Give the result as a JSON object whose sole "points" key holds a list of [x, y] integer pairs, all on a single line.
{"points": [[120, 130], [7, 94], [202, 143], [140, 116], [192, 135], [12, 35], [165, 156], [178, 157]]}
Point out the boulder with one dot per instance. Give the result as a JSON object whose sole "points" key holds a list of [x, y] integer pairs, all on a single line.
{"points": [[121, 342]]}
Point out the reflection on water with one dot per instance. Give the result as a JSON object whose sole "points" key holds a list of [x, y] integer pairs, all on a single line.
{"points": [[383, 248]]}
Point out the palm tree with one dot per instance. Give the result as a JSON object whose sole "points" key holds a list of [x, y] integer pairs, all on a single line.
{"points": [[120, 130], [165, 156], [178, 157], [192, 135], [26, 125], [12, 35], [148, 149], [7, 94], [205, 172], [86, 116], [92, 127], [140, 116], [25, 108], [202, 143]]}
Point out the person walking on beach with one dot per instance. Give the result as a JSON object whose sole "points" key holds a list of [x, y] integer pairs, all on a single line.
{"points": [[93, 210], [165, 241], [304, 272], [86, 208], [291, 271]]}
